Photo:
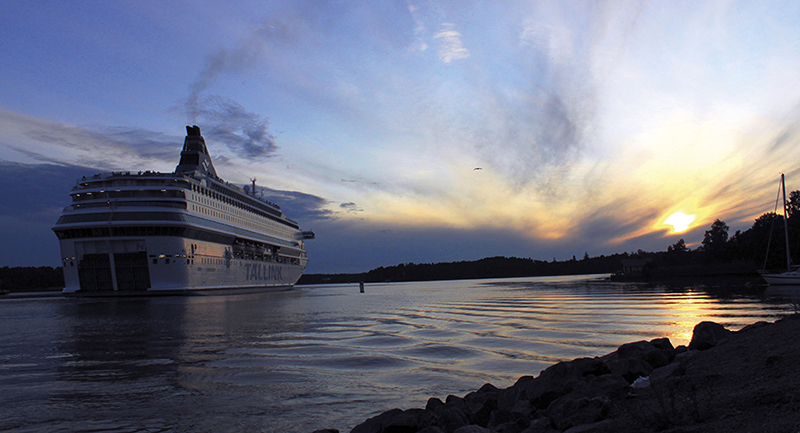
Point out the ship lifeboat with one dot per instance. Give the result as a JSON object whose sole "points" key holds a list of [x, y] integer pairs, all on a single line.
{"points": [[249, 248], [238, 247], [260, 250]]}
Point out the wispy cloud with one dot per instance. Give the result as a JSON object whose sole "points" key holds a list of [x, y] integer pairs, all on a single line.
{"points": [[245, 133], [298, 205], [104, 147], [350, 207], [419, 28], [450, 45]]}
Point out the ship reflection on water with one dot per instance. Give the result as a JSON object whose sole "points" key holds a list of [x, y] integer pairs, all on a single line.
{"points": [[322, 356]]}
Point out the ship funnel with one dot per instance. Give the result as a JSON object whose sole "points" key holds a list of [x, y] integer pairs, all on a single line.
{"points": [[194, 156]]}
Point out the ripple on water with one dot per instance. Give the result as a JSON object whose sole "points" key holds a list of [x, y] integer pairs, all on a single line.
{"points": [[380, 340], [439, 351], [359, 362], [434, 334]]}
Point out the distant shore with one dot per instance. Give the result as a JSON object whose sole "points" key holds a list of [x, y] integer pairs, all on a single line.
{"points": [[723, 381]]}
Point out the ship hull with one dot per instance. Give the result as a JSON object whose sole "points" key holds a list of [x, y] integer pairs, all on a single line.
{"points": [[126, 266]]}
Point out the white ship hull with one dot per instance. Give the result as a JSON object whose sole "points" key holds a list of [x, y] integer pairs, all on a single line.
{"points": [[166, 265]]}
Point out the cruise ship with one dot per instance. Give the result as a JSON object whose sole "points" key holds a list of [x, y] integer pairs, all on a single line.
{"points": [[186, 232]]}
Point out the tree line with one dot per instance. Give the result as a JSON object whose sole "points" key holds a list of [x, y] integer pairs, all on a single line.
{"points": [[29, 278]]}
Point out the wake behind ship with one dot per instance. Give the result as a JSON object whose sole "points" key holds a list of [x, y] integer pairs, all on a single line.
{"points": [[142, 233]]}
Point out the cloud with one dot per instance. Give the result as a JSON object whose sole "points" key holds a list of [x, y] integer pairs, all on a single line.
{"points": [[104, 147], [450, 45], [351, 207], [299, 206], [245, 133], [419, 28]]}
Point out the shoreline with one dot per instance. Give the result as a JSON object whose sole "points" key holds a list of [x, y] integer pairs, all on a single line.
{"points": [[724, 381]]}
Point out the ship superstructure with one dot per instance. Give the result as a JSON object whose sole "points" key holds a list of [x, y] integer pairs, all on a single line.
{"points": [[182, 232]]}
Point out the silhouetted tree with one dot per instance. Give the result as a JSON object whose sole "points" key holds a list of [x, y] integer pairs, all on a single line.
{"points": [[793, 204], [679, 247], [715, 239]]}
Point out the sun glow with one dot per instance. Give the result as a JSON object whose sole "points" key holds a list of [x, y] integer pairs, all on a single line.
{"points": [[679, 221]]}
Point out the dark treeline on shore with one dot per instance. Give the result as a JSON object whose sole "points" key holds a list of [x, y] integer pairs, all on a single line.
{"points": [[490, 267], [29, 278]]}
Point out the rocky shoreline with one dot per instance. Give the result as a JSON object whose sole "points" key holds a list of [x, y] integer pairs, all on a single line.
{"points": [[723, 381]]}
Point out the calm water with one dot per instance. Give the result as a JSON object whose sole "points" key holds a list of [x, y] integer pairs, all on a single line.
{"points": [[319, 356]]}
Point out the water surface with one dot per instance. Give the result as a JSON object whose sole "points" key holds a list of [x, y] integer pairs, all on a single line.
{"points": [[321, 356]]}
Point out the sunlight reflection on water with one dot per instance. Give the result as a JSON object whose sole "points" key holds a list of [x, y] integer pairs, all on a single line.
{"points": [[320, 356]]}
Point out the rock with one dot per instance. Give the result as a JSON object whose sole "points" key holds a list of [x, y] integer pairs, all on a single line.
{"points": [[434, 404], [628, 368], [665, 346], [472, 429], [510, 396], [522, 409], [376, 423], [481, 403], [707, 335], [431, 429], [598, 427], [409, 421], [754, 326], [500, 416], [560, 379], [646, 351], [451, 419], [568, 411], [541, 425], [663, 373], [610, 385], [511, 427]]}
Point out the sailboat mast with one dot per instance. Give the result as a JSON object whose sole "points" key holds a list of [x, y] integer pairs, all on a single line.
{"points": [[786, 225]]}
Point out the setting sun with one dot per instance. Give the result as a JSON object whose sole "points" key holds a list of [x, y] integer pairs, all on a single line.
{"points": [[679, 221]]}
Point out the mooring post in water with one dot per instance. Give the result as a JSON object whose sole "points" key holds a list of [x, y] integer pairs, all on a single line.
{"points": [[361, 286]]}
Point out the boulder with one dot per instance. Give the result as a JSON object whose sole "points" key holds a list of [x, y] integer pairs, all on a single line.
{"points": [[452, 414], [560, 379], [434, 404], [707, 335], [666, 347], [568, 411], [605, 426], [409, 421], [472, 428], [397, 421], [628, 368], [481, 403], [376, 423], [541, 425], [451, 419]]}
